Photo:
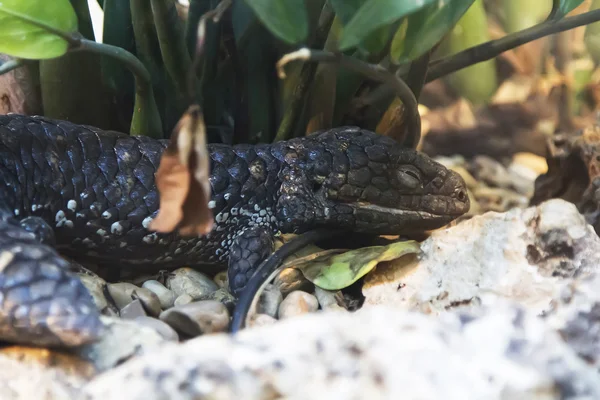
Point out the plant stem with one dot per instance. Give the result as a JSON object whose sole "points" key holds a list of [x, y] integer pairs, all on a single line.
{"points": [[303, 81], [170, 31], [143, 85], [372, 71], [554, 11], [151, 124], [10, 65], [489, 50]]}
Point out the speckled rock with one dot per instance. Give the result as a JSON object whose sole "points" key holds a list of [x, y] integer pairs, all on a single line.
{"points": [[165, 296], [122, 340], [526, 255], [189, 281], [376, 353], [27, 379], [297, 303], [197, 318], [575, 313]]}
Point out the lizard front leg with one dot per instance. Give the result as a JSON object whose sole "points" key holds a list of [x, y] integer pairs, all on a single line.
{"points": [[249, 249]]}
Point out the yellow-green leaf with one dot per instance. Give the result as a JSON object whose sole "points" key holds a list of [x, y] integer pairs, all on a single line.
{"points": [[337, 271], [26, 25]]}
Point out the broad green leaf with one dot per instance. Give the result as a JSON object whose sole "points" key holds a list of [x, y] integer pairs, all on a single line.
{"points": [[337, 271], [375, 14], [566, 6], [23, 31], [288, 20], [478, 82], [346, 9], [426, 27]]}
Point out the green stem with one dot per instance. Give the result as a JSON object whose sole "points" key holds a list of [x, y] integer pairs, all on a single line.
{"points": [[492, 49], [146, 119], [171, 37], [554, 11], [372, 71], [142, 76], [10, 65], [295, 105]]}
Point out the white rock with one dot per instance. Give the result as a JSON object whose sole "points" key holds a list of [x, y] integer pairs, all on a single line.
{"points": [[524, 255], [575, 313], [165, 296], [376, 353], [183, 299], [22, 381], [197, 318], [257, 320], [327, 299], [123, 339], [269, 301], [159, 326], [298, 303], [189, 281]]}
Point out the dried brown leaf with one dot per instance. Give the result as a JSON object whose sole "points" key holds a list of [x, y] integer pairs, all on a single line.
{"points": [[182, 179]]}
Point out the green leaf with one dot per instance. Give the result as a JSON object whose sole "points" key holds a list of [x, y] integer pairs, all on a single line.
{"points": [[26, 26], [286, 19], [566, 6], [375, 14], [346, 9], [337, 271], [426, 27]]}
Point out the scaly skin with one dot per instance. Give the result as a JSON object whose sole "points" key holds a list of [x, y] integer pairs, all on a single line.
{"points": [[92, 194]]}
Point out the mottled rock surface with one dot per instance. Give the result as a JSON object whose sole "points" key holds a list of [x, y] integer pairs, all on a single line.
{"points": [[376, 353], [526, 255]]}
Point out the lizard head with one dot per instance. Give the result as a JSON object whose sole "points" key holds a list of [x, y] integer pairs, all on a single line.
{"points": [[349, 178]]}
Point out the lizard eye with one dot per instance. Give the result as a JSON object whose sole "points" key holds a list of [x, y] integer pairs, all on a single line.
{"points": [[409, 176]]}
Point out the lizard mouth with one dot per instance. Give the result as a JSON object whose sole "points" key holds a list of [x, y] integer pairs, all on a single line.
{"points": [[373, 218], [394, 211]]}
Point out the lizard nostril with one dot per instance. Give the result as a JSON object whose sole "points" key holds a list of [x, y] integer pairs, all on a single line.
{"points": [[461, 195]]}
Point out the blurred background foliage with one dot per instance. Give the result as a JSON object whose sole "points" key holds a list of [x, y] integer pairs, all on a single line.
{"points": [[234, 61]]}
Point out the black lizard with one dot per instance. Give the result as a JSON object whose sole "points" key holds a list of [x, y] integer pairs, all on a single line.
{"points": [[91, 194]]}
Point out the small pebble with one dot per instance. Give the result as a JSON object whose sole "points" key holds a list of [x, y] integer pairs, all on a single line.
{"points": [[182, 300], [133, 310], [257, 320], [222, 280], [298, 303], [291, 279], [165, 296], [124, 293], [222, 296], [95, 285], [159, 326], [197, 318], [269, 301], [189, 281], [327, 299]]}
